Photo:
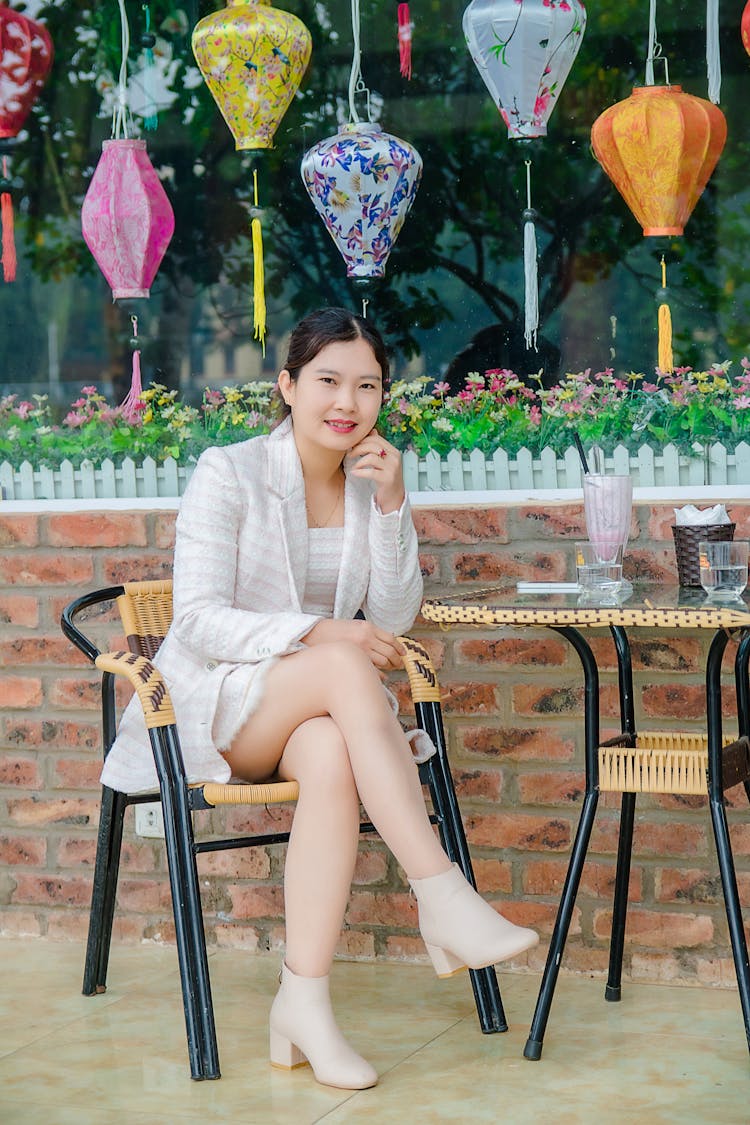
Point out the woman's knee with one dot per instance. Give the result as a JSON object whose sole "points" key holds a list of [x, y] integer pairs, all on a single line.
{"points": [[344, 663], [316, 755]]}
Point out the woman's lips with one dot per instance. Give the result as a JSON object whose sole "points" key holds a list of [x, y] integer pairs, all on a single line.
{"points": [[341, 427]]}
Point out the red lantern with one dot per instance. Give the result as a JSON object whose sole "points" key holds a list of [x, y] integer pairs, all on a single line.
{"points": [[25, 60], [745, 28], [659, 148]]}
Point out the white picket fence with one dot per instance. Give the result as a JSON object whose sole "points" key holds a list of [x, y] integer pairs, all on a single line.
{"points": [[456, 472]]}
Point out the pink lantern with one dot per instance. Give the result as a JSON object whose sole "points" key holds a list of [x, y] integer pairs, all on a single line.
{"points": [[127, 219]]}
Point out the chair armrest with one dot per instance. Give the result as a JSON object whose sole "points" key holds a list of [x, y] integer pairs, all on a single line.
{"points": [[423, 681], [147, 681], [71, 630]]}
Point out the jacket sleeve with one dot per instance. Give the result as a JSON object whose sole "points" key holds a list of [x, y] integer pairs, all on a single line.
{"points": [[205, 571], [394, 594]]}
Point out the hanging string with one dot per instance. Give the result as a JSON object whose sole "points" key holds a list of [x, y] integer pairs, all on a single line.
{"points": [[404, 40], [148, 42], [530, 274], [120, 115], [665, 360], [713, 56], [129, 408], [356, 82], [6, 221], [365, 303], [259, 295]]}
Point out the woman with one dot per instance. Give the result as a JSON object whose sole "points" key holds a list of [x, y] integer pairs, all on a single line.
{"points": [[281, 540]]}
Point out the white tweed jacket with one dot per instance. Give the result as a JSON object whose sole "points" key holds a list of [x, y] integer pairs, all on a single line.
{"points": [[239, 572]]}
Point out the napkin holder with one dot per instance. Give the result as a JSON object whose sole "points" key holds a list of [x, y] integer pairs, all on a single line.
{"points": [[686, 540]]}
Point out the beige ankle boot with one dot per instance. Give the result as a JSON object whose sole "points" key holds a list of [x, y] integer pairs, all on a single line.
{"points": [[303, 1027], [460, 929]]}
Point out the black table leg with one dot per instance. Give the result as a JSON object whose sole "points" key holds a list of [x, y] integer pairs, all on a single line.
{"points": [[533, 1048], [719, 818]]}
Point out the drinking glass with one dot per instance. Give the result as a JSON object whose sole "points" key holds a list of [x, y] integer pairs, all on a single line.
{"points": [[724, 568], [607, 505], [594, 574]]}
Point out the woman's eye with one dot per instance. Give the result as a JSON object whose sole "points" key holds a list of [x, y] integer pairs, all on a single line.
{"points": [[368, 386]]}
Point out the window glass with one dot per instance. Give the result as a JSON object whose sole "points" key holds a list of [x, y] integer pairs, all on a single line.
{"points": [[452, 300]]}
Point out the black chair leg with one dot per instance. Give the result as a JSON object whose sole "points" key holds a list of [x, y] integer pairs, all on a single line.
{"points": [[191, 948], [436, 772], [106, 868], [613, 990]]}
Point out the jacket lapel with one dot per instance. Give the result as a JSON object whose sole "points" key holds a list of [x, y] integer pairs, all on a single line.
{"points": [[354, 573], [284, 479]]}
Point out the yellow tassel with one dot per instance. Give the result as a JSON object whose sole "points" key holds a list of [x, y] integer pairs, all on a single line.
{"points": [[259, 296], [665, 358]]}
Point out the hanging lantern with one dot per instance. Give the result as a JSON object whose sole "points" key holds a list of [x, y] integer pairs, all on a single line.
{"points": [[524, 50], [745, 27], [659, 148], [127, 219], [253, 58], [362, 182], [25, 61]]}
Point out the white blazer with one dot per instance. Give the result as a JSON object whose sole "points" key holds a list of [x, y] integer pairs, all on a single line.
{"points": [[240, 565]]}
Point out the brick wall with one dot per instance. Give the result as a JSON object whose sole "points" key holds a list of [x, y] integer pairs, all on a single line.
{"points": [[512, 702]]}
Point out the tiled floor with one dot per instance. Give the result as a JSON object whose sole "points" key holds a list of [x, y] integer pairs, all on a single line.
{"points": [[663, 1054]]}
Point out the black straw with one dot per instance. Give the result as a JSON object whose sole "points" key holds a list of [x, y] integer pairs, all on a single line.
{"points": [[581, 454]]}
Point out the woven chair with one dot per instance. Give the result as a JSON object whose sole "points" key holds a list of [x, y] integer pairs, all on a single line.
{"points": [[146, 612]]}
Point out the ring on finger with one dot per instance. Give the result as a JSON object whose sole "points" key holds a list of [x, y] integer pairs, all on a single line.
{"points": [[382, 453]]}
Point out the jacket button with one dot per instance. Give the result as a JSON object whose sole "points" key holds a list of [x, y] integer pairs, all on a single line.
{"points": [[210, 666]]}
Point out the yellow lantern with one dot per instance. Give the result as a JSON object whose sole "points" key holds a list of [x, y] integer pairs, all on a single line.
{"points": [[253, 58]]}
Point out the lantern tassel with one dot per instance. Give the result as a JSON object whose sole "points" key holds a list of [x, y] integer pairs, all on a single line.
{"points": [[405, 27], [713, 56], [6, 221], [530, 275], [129, 408], [259, 296], [665, 358]]}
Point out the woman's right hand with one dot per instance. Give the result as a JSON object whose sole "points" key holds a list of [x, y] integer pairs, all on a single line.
{"points": [[383, 648]]}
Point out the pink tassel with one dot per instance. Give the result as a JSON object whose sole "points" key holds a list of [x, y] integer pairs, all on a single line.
{"points": [[131, 407], [404, 39], [8, 241]]}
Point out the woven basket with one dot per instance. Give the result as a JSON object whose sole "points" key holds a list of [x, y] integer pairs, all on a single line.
{"points": [[686, 540]]}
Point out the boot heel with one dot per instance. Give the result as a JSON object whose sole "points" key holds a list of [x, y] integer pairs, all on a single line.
{"points": [[443, 962], [284, 1054]]}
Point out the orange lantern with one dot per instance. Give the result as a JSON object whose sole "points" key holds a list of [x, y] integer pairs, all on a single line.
{"points": [[659, 148]]}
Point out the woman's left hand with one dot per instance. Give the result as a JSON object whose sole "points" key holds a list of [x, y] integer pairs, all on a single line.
{"points": [[381, 462]]}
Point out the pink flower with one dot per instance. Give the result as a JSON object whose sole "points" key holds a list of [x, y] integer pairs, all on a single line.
{"points": [[88, 390], [73, 419], [742, 403], [24, 409], [442, 388], [535, 416], [650, 387], [620, 385]]}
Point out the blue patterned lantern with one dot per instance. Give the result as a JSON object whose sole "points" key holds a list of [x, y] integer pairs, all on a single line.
{"points": [[362, 182]]}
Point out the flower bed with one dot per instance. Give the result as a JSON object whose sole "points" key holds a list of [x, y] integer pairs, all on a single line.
{"points": [[684, 428]]}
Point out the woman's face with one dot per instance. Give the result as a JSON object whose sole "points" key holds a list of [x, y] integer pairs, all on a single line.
{"points": [[336, 398]]}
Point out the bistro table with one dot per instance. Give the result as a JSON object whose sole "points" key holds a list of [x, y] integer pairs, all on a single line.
{"points": [[666, 762]]}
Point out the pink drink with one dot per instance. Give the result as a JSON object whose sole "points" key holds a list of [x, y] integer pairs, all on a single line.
{"points": [[607, 504]]}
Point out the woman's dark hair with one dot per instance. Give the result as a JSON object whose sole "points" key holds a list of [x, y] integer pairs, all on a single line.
{"points": [[329, 326]]}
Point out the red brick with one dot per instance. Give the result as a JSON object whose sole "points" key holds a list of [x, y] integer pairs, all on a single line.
{"points": [[547, 877], [652, 839], [674, 885], [23, 773], [493, 876], [577, 958], [138, 567], [19, 923], [509, 567], [164, 530], [516, 743], [468, 699], [233, 936], [461, 525], [61, 810], [265, 901], [84, 694], [562, 699], [20, 692], [19, 531], [716, 971], [19, 851], [69, 925], [356, 945], [19, 609], [429, 565], [675, 701], [371, 866], [46, 569], [551, 788], [241, 863], [40, 650], [549, 521], [404, 947], [51, 890], [661, 967], [382, 910], [659, 930], [505, 652], [97, 529], [517, 830], [657, 566], [47, 733], [76, 773], [144, 896], [487, 784], [661, 520]]}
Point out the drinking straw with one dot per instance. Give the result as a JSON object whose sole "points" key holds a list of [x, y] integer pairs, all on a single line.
{"points": [[581, 454]]}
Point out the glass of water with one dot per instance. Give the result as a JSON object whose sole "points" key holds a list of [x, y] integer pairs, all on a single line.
{"points": [[724, 568]]}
